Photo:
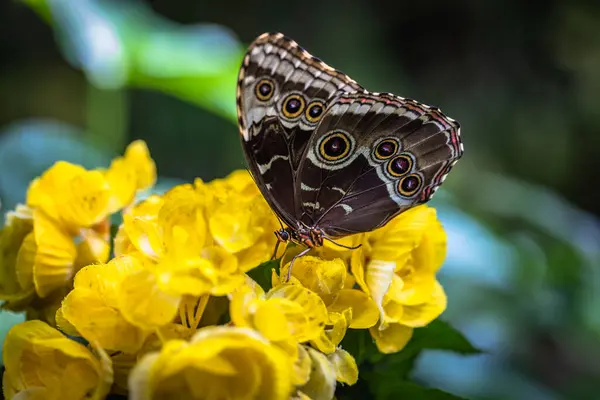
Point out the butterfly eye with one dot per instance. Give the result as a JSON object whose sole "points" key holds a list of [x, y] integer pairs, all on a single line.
{"points": [[293, 106], [400, 165], [335, 147], [264, 89], [409, 185], [314, 111], [386, 149]]}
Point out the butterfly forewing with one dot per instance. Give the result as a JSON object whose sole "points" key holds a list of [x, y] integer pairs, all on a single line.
{"points": [[282, 94]]}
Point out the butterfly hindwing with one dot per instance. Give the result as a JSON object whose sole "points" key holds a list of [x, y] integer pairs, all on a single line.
{"points": [[371, 157], [282, 94]]}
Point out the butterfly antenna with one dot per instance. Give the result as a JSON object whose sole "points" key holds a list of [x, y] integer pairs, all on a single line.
{"points": [[342, 245], [303, 252]]}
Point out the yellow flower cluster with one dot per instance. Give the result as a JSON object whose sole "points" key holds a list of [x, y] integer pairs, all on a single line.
{"points": [[174, 313]]}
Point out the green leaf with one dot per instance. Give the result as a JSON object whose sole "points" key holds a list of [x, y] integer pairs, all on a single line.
{"points": [[440, 335], [398, 389], [197, 63], [387, 374], [262, 273], [359, 343]]}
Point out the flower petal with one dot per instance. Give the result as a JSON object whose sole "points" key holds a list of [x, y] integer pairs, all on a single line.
{"points": [[321, 385], [423, 314], [365, 313], [93, 248], [391, 339], [55, 255], [143, 303], [25, 261], [95, 320], [334, 332], [378, 277], [122, 180], [144, 235], [138, 158], [305, 311], [38, 356], [84, 200], [42, 190], [16, 264], [323, 277], [302, 366], [346, 370], [430, 253], [398, 237], [226, 362], [270, 320], [234, 226]]}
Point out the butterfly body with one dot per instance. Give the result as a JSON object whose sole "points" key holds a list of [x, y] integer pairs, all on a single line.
{"points": [[331, 158], [303, 235]]}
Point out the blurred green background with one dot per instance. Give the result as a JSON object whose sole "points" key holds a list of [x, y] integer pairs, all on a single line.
{"points": [[80, 79]]}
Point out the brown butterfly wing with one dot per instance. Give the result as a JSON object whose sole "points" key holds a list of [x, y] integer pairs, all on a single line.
{"points": [[372, 157], [279, 83]]}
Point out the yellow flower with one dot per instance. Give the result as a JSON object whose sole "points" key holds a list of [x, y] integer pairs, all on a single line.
{"points": [[397, 268], [65, 223], [41, 363], [240, 220], [128, 174], [322, 381], [146, 210], [71, 196], [347, 307], [286, 312], [197, 239], [17, 247], [218, 362], [180, 264], [344, 365], [92, 308], [177, 258]]}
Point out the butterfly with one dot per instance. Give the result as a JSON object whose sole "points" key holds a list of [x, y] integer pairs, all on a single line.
{"points": [[331, 158]]}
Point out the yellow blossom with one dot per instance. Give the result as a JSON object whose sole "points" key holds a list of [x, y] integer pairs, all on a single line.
{"points": [[92, 308], [240, 219], [224, 362], [67, 227], [17, 248], [346, 369], [41, 363], [180, 263], [322, 381], [191, 246], [397, 268], [177, 256], [347, 307], [286, 312], [134, 171], [147, 210]]}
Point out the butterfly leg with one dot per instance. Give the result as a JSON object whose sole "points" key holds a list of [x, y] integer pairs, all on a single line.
{"points": [[342, 245], [303, 252], [274, 256]]}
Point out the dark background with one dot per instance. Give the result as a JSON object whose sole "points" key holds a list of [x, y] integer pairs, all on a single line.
{"points": [[521, 208]]}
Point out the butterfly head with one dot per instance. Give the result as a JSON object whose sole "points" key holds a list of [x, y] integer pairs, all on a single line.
{"points": [[309, 237]]}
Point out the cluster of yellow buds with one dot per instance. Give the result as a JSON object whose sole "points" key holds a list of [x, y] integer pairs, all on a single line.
{"points": [[165, 307]]}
